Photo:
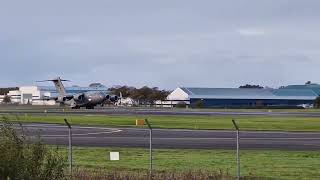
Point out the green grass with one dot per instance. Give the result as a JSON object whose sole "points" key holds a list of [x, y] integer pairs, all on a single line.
{"points": [[188, 122], [272, 163]]}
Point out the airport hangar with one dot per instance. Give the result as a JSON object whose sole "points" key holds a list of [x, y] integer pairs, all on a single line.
{"points": [[289, 96]]}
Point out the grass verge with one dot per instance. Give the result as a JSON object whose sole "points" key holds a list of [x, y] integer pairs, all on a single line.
{"points": [[270, 164], [270, 123]]}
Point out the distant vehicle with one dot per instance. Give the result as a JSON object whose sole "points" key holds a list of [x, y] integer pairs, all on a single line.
{"points": [[87, 99], [305, 106]]}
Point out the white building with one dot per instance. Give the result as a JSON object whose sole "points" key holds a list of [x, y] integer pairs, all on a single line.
{"points": [[178, 94], [15, 96], [176, 97], [29, 95], [1, 98]]}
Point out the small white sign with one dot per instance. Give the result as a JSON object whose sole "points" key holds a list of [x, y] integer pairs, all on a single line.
{"points": [[114, 156]]}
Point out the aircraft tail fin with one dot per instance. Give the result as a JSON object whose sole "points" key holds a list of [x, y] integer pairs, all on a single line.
{"points": [[59, 86]]}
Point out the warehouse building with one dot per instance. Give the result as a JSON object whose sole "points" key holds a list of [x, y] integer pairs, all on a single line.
{"points": [[289, 96], [35, 94]]}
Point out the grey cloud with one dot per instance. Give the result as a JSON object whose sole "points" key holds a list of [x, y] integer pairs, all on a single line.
{"points": [[160, 43]]}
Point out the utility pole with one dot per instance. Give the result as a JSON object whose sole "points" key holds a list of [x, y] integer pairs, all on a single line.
{"points": [[238, 153], [150, 145], [70, 146]]}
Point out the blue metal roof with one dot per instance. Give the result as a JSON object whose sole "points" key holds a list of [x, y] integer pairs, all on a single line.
{"points": [[294, 92], [249, 93], [313, 87]]}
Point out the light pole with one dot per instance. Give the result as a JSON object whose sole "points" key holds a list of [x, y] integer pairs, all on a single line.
{"points": [[238, 155], [70, 146], [150, 145]]}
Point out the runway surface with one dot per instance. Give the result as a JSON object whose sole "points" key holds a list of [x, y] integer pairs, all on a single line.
{"points": [[172, 138], [151, 111]]}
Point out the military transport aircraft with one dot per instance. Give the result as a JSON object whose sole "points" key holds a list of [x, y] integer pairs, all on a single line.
{"points": [[87, 99]]}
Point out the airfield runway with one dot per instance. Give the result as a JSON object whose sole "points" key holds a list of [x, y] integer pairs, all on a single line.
{"points": [[172, 138], [153, 111]]}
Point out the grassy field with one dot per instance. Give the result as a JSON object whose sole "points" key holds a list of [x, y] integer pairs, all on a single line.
{"points": [[188, 122], [271, 164]]}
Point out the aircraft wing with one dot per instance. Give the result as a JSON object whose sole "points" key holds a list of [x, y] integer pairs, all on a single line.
{"points": [[67, 97], [47, 98]]}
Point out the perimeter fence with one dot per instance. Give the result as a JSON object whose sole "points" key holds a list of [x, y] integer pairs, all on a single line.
{"points": [[263, 154]]}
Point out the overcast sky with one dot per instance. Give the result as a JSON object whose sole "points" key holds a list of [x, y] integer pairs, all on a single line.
{"points": [[167, 43]]}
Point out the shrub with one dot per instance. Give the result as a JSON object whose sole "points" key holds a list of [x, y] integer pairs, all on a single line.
{"points": [[22, 159], [181, 105], [198, 104], [162, 175]]}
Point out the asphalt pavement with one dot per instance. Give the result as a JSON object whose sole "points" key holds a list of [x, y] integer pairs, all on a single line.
{"points": [[171, 138]]}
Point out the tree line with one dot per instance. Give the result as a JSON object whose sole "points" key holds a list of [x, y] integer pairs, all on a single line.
{"points": [[251, 86], [144, 95], [4, 91]]}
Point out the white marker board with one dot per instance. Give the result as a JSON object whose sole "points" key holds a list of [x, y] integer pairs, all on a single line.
{"points": [[114, 156]]}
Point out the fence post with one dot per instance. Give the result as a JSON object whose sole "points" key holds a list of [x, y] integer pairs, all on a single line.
{"points": [[150, 146], [238, 153], [70, 146]]}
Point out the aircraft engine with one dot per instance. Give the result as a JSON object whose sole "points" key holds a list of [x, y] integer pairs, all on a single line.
{"points": [[78, 97], [67, 98], [114, 98], [107, 97]]}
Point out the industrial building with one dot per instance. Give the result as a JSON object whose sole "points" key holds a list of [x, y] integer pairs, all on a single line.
{"points": [[289, 96], [35, 94]]}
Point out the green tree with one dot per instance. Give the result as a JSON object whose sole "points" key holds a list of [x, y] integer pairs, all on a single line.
{"points": [[126, 91], [144, 95], [181, 104], [251, 86], [4, 91], [317, 102], [6, 99]]}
